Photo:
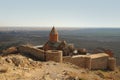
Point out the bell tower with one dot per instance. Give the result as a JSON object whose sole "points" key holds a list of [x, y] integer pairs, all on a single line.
{"points": [[53, 36]]}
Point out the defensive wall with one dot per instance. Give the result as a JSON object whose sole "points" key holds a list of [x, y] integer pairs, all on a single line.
{"points": [[99, 61], [38, 53], [93, 61], [79, 60], [50, 55]]}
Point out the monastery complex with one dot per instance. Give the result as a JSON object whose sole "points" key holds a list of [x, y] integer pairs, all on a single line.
{"points": [[62, 52]]}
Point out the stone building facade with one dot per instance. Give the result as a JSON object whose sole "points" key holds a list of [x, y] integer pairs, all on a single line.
{"points": [[55, 44]]}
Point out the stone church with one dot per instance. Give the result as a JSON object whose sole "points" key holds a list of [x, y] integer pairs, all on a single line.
{"points": [[55, 44]]}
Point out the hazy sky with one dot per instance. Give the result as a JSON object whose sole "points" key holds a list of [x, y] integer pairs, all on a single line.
{"points": [[60, 13]]}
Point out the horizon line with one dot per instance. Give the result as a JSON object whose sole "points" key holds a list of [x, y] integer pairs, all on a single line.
{"points": [[54, 26]]}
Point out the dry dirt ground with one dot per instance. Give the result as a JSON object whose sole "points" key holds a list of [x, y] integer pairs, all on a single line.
{"points": [[18, 67]]}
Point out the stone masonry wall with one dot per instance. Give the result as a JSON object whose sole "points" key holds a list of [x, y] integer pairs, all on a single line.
{"points": [[112, 63], [81, 61], [54, 55], [67, 59], [99, 63], [38, 53], [94, 61]]}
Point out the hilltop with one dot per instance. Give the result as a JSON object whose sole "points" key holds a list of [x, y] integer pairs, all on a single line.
{"points": [[37, 63], [84, 38], [18, 67]]}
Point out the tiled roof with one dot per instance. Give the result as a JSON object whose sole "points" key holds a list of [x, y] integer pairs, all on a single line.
{"points": [[53, 31]]}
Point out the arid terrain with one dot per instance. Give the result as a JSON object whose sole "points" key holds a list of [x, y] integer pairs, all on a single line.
{"points": [[18, 67]]}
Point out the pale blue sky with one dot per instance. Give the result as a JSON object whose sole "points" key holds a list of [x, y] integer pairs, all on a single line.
{"points": [[60, 13]]}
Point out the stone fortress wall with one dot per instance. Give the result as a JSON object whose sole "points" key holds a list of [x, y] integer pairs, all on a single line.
{"points": [[94, 61], [41, 54], [80, 60], [38, 53], [99, 61], [54, 55]]}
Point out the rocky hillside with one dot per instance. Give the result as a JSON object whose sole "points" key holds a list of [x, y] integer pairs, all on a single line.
{"points": [[18, 67]]}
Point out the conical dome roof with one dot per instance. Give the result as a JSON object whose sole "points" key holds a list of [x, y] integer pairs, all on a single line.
{"points": [[53, 31]]}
